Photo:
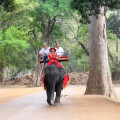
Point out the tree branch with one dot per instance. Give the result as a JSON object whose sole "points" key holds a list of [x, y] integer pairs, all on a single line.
{"points": [[70, 68], [52, 27], [84, 48], [34, 34], [49, 23], [43, 24]]}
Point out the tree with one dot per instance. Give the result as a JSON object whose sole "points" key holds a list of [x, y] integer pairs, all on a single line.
{"points": [[46, 15], [11, 44], [19, 18], [99, 81]]}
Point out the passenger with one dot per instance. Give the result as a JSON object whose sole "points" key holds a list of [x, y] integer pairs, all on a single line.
{"points": [[59, 50], [44, 53]]}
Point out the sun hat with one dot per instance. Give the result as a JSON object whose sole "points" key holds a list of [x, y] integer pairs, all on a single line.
{"points": [[51, 49]]}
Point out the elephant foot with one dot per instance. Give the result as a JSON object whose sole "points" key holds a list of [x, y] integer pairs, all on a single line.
{"points": [[50, 102], [57, 104]]}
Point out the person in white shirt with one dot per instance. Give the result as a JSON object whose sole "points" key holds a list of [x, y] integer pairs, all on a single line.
{"points": [[44, 53], [59, 50]]}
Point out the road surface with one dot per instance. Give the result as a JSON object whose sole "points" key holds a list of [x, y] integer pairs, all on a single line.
{"points": [[74, 106]]}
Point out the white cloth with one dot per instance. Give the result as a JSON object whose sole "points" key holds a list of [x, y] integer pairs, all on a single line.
{"points": [[59, 51], [46, 51]]}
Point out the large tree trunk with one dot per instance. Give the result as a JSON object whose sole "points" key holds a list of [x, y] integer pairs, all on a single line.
{"points": [[37, 75], [5, 69], [99, 81]]}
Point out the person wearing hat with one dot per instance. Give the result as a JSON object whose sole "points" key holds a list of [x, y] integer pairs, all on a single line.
{"points": [[53, 58]]}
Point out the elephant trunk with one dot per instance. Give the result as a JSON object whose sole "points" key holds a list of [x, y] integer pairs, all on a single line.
{"points": [[50, 95]]}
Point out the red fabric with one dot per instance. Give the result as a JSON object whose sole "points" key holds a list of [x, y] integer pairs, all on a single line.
{"points": [[65, 81], [64, 56], [53, 60], [51, 56], [51, 49]]}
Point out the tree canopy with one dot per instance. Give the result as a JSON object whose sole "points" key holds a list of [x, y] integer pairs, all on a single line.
{"points": [[91, 7], [9, 5]]}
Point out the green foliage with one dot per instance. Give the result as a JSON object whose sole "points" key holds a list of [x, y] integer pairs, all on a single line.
{"points": [[47, 12], [12, 43], [9, 5], [91, 7], [52, 8], [112, 41], [83, 33], [78, 58], [113, 23], [111, 36], [114, 68]]}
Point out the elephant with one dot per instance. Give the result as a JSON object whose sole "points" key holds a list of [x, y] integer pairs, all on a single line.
{"points": [[53, 80]]}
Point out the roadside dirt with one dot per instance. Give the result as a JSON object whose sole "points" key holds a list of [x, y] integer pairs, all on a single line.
{"points": [[78, 78], [95, 108], [7, 94]]}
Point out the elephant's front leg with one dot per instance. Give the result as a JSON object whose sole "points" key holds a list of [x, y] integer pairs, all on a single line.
{"points": [[50, 95], [58, 94]]}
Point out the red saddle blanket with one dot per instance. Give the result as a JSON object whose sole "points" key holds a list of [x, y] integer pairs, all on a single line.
{"points": [[64, 56], [65, 81]]}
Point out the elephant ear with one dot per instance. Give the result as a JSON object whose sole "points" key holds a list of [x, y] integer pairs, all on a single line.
{"points": [[62, 73]]}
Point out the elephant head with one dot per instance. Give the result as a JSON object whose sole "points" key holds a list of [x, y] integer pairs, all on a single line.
{"points": [[54, 77]]}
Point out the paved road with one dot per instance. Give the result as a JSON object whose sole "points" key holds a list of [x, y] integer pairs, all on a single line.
{"points": [[34, 107], [73, 107]]}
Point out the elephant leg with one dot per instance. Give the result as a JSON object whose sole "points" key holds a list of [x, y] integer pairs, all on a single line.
{"points": [[58, 93], [50, 95]]}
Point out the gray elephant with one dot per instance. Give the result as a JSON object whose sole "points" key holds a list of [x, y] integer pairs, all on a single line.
{"points": [[53, 81]]}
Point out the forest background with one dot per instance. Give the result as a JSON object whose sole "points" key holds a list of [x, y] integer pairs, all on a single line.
{"points": [[26, 24]]}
